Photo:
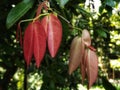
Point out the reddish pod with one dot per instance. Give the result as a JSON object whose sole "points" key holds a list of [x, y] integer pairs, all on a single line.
{"points": [[53, 29]]}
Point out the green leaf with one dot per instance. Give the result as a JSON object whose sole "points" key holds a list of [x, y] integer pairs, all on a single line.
{"points": [[62, 2], [110, 3], [109, 10], [18, 11], [102, 33], [101, 8], [83, 11]]}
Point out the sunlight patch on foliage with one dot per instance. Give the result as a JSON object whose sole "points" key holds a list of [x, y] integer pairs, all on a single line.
{"points": [[19, 77], [115, 64], [35, 81], [2, 71], [81, 87], [115, 37]]}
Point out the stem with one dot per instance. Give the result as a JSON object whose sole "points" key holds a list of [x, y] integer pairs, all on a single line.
{"points": [[69, 23], [27, 20], [64, 19], [77, 28], [40, 16]]}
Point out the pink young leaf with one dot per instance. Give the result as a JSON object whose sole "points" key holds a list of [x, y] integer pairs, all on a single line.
{"points": [[39, 42], [28, 43], [76, 54], [83, 65], [86, 37], [92, 67]]}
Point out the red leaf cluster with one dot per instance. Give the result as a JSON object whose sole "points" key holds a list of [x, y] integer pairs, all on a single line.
{"points": [[34, 42], [38, 33], [83, 55]]}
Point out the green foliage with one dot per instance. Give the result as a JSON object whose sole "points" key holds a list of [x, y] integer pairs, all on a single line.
{"points": [[110, 3], [107, 85], [114, 64], [18, 11], [62, 2], [102, 33]]}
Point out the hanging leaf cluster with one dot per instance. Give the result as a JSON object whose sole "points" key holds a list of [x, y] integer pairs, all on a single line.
{"points": [[83, 55], [47, 32], [39, 34]]}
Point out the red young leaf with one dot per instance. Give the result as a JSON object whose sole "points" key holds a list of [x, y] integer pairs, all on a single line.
{"points": [[19, 34], [54, 33], [34, 42], [92, 67], [76, 54], [86, 37], [39, 42], [40, 6], [44, 23], [28, 43]]}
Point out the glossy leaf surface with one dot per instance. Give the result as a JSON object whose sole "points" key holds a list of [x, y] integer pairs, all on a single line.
{"points": [[18, 11]]}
